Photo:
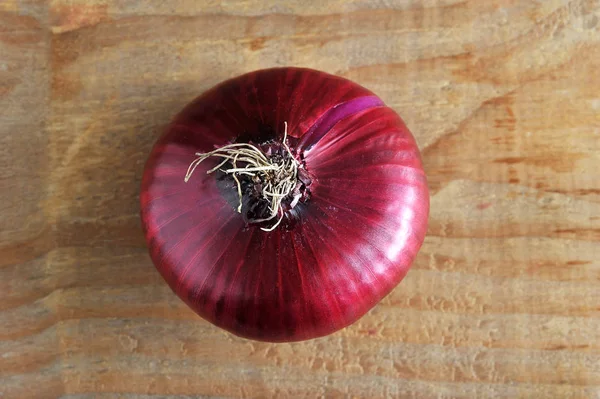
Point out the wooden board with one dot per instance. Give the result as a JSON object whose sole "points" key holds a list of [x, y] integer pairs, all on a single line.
{"points": [[503, 97]]}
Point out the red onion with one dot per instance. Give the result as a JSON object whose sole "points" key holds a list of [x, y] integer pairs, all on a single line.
{"points": [[305, 203]]}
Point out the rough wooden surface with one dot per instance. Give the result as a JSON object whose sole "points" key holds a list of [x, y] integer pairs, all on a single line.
{"points": [[503, 97]]}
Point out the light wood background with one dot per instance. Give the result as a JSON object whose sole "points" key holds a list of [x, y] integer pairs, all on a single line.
{"points": [[503, 97]]}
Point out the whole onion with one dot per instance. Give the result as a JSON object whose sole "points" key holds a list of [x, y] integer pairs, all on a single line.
{"points": [[283, 204]]}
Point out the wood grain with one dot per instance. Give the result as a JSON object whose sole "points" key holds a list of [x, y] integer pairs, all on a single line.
{"points": [[503, 97]]}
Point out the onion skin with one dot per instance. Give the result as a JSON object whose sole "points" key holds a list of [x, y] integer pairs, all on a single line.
{"points": [[336, 255]]}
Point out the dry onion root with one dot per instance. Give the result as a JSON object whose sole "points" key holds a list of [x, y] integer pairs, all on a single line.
{"points": [[278, 177]]}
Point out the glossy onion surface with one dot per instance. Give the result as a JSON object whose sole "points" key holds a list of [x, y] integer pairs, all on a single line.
{"points": [[334, 256]]}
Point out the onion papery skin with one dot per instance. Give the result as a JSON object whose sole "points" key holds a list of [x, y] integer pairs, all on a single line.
{"points": [[334, 256]]}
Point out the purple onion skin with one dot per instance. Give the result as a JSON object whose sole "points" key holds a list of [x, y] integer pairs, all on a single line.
{"points": [[335, 256]]}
